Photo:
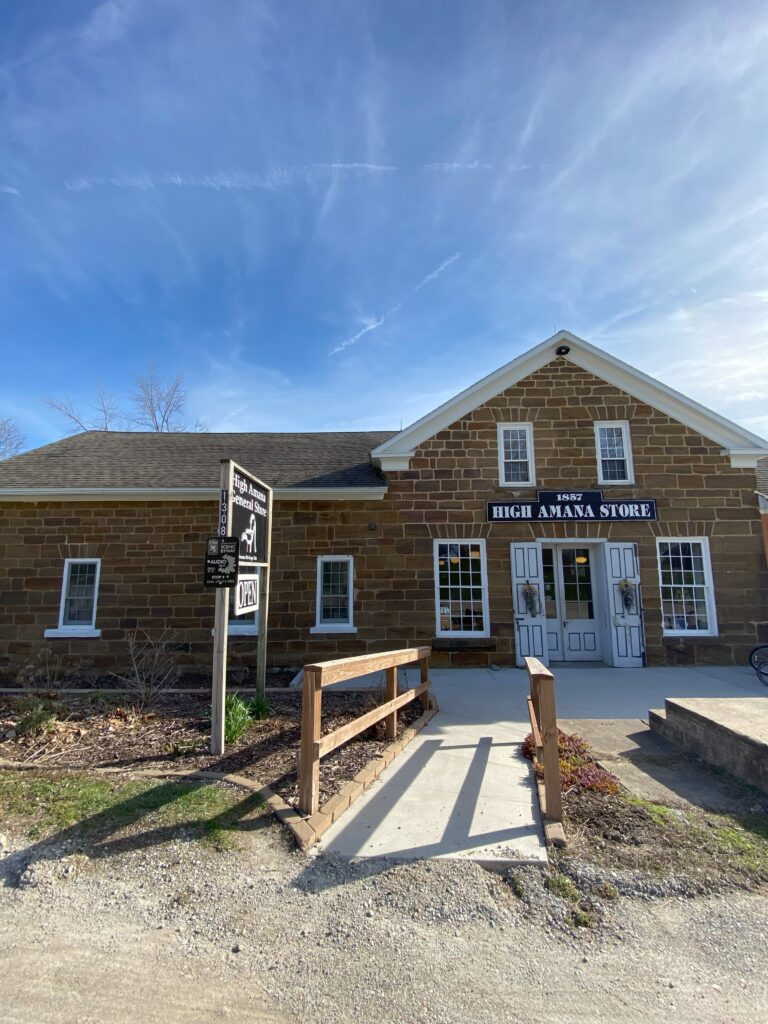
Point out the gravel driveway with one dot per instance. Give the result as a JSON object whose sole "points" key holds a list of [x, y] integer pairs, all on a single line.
{"points": [[181, 932]]}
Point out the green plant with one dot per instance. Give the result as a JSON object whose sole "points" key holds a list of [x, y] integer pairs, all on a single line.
{"points": [[608, 891], [517, 885], [258, 708], [36, 716], [582, 918], [562, 886], [237, 718]]}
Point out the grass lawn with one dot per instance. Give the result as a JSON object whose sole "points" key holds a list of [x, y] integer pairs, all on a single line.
{"points": [[40, 805]]}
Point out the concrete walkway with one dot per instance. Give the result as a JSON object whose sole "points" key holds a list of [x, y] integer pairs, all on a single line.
{"points": [[462, 789]]}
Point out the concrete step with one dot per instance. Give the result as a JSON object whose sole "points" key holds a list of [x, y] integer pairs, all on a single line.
{"points": [[731, 733]]}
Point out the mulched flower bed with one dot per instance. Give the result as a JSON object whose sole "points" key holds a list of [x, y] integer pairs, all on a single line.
{"points": [[103, 733]]}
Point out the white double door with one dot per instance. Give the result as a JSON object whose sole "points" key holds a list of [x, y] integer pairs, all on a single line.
{"points": [[571, 579], [577, 601]]}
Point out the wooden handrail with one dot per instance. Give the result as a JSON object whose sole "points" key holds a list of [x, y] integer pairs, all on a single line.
{"points": [[321, 674], [350, 668], [543, 715]]}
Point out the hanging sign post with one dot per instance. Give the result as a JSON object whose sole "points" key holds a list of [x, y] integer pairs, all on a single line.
{"points": [[244, 527]]}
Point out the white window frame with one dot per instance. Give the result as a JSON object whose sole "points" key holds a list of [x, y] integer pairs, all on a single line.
{"points": [[630, 477], [528, 428], [335, 627], [459, 633], [83, 631], [709, 594]]}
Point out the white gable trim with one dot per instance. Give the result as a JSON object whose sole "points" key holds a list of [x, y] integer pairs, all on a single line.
{"points": [[743, 447]]}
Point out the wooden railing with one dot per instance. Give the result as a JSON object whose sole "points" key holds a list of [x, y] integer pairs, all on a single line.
{"points": [[541, 710], [313, 746]]}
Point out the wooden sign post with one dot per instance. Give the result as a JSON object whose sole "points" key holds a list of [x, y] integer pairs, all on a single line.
{"points": [[245, 512]]}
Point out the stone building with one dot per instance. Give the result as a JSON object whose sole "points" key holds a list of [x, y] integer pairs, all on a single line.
{"points": [[566, 506]]}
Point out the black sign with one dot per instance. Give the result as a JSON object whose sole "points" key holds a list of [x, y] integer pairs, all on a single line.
{"points": [[244, 514], [555, 506], [220, 562]]}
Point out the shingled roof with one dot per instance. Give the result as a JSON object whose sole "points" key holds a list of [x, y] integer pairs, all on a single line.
{"points": [[123, 460]]}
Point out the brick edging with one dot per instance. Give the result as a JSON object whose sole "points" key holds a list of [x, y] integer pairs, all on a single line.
{"points": [[305, 830]]}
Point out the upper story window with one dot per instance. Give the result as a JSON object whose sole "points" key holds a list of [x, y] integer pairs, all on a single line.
{"points": [[614, 453], [79, 596], [687, 592], [516, 467], [335, 594]]}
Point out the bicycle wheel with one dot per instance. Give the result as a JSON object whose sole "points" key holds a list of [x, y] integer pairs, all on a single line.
{"points": [[762, 672], [758, 656]]}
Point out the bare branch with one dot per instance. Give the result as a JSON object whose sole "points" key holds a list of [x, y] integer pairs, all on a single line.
{"points": [[107, 415], [11, 438], [160, 406]]}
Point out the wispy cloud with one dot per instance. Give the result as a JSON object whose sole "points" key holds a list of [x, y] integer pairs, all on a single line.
{"points": [[108, 22], [9, 190], [372, 323], [230, 181], [451, 167], [437, 271]]}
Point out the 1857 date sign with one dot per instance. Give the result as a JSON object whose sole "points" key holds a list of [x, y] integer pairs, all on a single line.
{"points": [[559, 505], [221, 561]]}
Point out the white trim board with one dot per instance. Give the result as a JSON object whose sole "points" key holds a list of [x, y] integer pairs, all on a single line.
{"points": [[745, 446], [35, 494]]}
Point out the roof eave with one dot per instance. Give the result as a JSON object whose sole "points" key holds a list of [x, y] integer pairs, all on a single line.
{"points": [[125, 494]]}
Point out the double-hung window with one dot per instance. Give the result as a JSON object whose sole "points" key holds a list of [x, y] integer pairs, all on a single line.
{"points": [[614, 453], [461, 588], [516, 467], [687, 593], [79, 596], [335, 595]]}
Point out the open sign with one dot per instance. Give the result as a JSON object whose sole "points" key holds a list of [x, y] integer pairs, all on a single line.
{"points": [[247, 594]]}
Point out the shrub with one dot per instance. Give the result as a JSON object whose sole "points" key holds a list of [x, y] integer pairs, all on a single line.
{"points": [[36, 716], [578, 768], [153, 668]]}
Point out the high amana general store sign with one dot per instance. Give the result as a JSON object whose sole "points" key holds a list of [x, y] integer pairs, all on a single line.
{"points": [[553, 506]]}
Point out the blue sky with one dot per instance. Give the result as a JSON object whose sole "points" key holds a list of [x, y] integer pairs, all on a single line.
{"points": [[336, 215]]}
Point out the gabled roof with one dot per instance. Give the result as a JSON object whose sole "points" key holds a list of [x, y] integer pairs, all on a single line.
{"points": [[131, 464], [743, 447]]}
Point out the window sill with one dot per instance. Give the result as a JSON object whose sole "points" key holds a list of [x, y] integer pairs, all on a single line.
{"points": [[517, 485], [617, 483], [72, 633], [689, 634], [241, 631], [346, 628], [451, 641]]}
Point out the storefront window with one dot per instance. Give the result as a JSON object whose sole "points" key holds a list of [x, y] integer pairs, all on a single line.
{"points": [[461, 588], [685, 577]]}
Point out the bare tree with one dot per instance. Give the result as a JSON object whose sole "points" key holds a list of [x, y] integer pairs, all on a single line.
{"points": [[106, 415], [157, 406], [11, 438]]}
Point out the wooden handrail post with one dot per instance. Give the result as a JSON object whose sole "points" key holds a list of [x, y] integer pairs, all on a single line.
{"points": [[424, 666], [390, 722], [309, 764], [548, 725]]}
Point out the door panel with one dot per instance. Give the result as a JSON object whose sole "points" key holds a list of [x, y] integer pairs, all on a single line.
{"points": [[625, 612], [552, 604], [580, 626], [528, 601]]}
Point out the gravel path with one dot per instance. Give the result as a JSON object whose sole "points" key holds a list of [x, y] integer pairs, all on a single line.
{"points": [[185, 933]]}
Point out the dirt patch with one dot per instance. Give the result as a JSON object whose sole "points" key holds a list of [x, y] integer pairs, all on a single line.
{"points": [[102, 733], [712, 852]]}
